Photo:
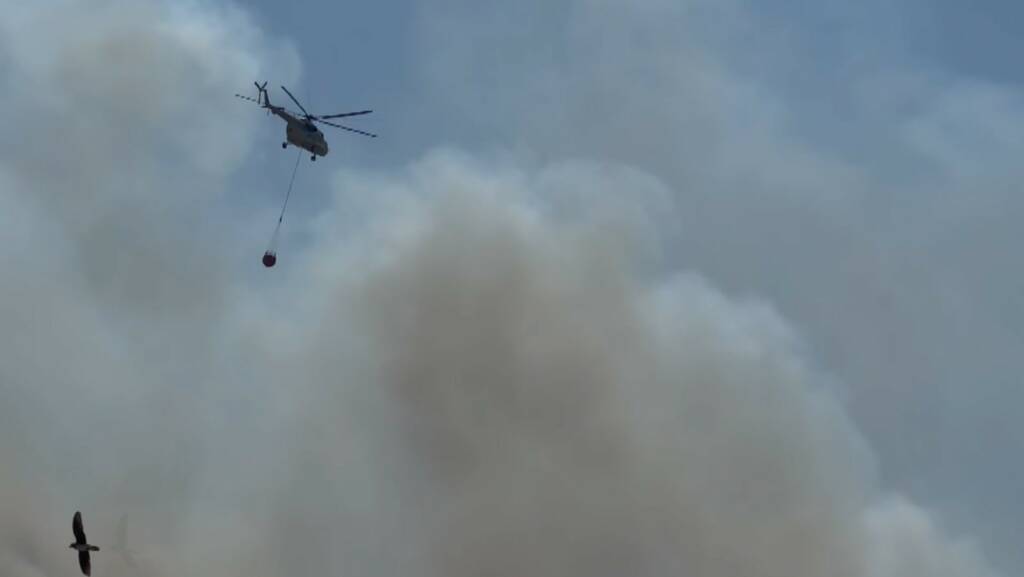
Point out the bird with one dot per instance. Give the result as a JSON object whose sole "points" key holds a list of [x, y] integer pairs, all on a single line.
{"points": [[81, 545]]}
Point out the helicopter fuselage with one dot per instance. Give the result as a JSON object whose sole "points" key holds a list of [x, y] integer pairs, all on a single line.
{"points": [[302, 133]]}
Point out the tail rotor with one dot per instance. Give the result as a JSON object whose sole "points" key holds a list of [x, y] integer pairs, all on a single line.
{"points": [[261, 96]]}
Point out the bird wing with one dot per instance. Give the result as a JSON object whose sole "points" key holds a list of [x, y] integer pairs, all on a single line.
{"points": [[77, 526], [84, 562]]}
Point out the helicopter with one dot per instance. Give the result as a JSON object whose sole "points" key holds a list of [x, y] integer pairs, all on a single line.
{"points": [[301, 130]]}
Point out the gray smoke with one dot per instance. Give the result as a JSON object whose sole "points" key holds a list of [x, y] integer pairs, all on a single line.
{"points": [[552, 413], [481, 376]]}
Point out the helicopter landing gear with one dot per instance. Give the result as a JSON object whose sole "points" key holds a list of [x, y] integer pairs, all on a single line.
{"points": [[284, 145]]}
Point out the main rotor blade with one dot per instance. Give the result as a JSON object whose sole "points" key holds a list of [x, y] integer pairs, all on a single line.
{"points": [[295, 101], [347, 128], [344, 114], [248, 98]]}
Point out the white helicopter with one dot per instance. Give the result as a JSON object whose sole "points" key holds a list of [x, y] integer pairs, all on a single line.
{"points": [[300, 130]]}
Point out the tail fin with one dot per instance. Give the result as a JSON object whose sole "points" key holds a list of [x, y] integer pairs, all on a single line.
{"points": [[261, 96]]}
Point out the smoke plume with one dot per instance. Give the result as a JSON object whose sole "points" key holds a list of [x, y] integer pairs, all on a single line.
{"points": [[482, 376]]}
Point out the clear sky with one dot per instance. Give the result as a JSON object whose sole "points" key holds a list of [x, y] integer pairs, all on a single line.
{"points": [[769, 251]]}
